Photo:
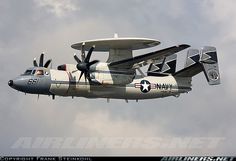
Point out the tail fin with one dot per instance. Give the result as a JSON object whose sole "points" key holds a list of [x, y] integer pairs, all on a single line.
{"points": [[162, 66], [206, 61], [193, 57], [209, 62]]}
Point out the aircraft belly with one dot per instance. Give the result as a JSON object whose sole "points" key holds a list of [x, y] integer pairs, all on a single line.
{"points": [[143, 88], [158, 87], [99, 91]]}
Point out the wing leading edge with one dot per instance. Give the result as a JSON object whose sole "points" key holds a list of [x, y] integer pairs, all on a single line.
{"points": [[142, 60]]}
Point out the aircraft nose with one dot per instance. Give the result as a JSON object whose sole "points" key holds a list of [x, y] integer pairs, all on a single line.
{"points": [[10, 83], [18, 83]]}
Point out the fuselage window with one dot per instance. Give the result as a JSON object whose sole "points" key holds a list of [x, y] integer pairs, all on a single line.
{"points": [[28, 72], [39, 72]]}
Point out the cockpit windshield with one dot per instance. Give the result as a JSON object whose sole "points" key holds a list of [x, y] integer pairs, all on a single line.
{"points": [[28, 72], [37, 72]]}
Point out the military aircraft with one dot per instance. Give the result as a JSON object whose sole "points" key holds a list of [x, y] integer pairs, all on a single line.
{"points": [[120, 77]]}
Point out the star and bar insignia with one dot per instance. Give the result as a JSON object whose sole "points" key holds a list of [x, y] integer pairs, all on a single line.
{"points": [[145, 86]]}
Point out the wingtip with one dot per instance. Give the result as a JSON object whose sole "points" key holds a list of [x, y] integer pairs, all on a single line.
{"points": [[186, 45], [183, 45]]}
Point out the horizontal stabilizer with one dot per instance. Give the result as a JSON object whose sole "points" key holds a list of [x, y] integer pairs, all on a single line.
{"points": [[190, 71]]}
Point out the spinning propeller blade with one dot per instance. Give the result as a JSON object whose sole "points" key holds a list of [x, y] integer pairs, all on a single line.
{"points": [[81, 74], [93, 62], [84, 65], [89, 54], [76, 58], [46, 65], [41, 60], [83, 52], [35, 63]]}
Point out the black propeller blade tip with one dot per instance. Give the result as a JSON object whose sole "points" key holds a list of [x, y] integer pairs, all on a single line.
{"points": [[41, 59], [35, 63]]}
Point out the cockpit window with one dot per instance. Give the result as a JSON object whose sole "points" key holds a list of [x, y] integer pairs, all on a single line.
{"points": [[33, 72], [28, 72], [39, 72]]}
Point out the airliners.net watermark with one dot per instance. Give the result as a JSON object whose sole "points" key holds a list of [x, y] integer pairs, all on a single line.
{"points": [[117, 142]]}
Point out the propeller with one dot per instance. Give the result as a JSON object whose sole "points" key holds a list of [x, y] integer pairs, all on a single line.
{"points": [[41, 62], [84, 65], [83, 52]]}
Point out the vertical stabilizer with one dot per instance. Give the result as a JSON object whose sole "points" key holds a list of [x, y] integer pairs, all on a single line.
{"points": [[204, 60], [193, 57], [209, 62]]}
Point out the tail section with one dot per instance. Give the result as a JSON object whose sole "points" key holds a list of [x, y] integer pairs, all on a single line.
{"points": [[192, 66], [193, 57], [204, 60], [163, 66]]}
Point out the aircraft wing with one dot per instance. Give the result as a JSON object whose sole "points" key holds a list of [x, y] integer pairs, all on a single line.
{"points": [[142, 60]]}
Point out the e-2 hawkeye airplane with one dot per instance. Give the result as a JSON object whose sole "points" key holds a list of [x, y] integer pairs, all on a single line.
{"points": [[120, 77]]}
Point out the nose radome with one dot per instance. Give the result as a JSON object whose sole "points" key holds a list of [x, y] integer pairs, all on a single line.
{"points": [[10, 83]]}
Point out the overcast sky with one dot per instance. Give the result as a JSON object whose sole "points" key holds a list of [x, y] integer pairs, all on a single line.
{"points": [[29, 27]]}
